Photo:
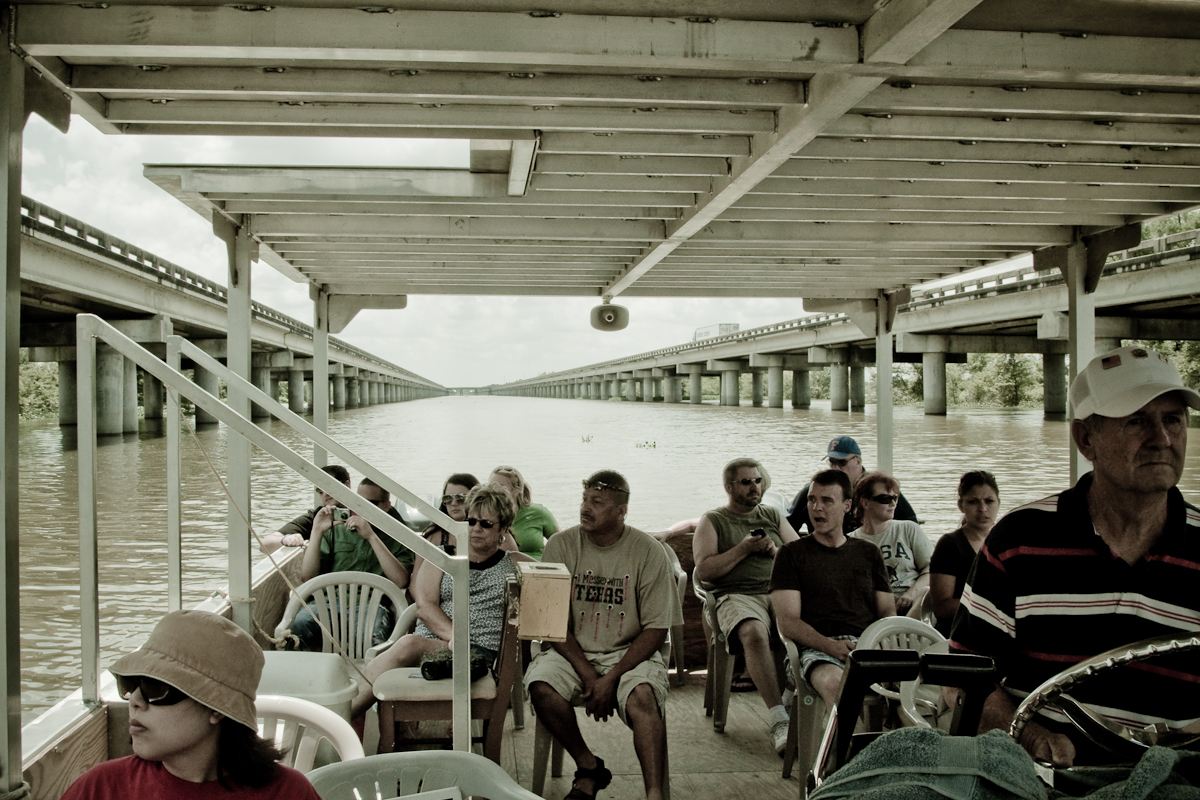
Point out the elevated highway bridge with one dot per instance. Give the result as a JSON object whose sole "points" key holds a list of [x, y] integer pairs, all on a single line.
{"points": [[69, 267], [1151, 291]]}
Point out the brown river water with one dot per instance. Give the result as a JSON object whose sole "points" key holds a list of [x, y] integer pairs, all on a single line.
{"points": [[555, 443]]}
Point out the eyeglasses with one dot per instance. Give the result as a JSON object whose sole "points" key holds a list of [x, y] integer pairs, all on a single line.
{"points": [[154, 691], [749, 481], [841, 462], [605, 487], [486, 524], [453, 499], [885, 499]]}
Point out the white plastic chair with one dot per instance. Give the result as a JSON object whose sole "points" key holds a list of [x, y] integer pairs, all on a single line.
{"points": [[681, 581], [298, 726], [346, 604], [923, 705], [897, 633], [807, 721], [391, 775]]}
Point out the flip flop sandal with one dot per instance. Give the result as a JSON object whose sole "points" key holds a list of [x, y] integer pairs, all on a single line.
{"points": [[599, 774]]}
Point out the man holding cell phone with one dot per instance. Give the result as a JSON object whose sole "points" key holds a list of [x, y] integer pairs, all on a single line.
{"points": [[342, 541], [734, 550]]}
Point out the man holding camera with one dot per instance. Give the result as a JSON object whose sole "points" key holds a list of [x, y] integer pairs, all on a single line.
{"points": [[734, 550], [342, 541]]}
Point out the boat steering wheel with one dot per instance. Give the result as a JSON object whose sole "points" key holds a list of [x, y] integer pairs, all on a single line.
{"points": [[1121, 740]]}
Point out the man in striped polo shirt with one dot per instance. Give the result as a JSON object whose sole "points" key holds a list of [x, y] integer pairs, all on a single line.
{"points": [[1110, 561]]}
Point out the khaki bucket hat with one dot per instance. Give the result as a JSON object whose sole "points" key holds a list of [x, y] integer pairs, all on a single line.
{"points": [[205, 656]]}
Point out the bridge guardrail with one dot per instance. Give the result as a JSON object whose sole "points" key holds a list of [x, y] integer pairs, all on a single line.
{"points": [[1147, 255], [52, 222]]}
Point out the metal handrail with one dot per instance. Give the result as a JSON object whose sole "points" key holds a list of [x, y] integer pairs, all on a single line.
{"points": [[90, 330]]}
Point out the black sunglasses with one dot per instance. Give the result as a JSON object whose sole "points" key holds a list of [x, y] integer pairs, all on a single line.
{"points": [[154, 691], [447, 499], [749, 481], [885, 499], [486, 524]]}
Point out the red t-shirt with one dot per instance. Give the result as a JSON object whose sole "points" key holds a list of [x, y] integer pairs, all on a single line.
{"points": [[133, 777]]}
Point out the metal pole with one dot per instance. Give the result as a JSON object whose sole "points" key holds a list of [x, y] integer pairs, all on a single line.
{"points": [[174, 493], [1081, 324], [89, 576], [12, 114], [238, 447], [320, 396], [884, 430]]}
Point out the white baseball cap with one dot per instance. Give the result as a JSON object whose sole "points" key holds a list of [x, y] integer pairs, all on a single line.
{"points": [[1121, 381]]}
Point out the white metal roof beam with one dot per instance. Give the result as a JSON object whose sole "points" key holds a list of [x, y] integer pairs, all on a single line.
{"points": [[247, 83], [967, 172], [969, 191], [970, 151], [998, 205], [536, 200], [453, 209], [894, 34], [316, 225], [1011, 129], [299, 182], [350, 36], [199, 113], [1126, 103]]}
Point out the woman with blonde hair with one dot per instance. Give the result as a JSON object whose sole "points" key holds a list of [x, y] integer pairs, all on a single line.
{"points": [[533, 523]]}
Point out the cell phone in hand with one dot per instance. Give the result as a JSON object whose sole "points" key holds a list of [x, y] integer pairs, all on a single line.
{"points": [[758, 532]]}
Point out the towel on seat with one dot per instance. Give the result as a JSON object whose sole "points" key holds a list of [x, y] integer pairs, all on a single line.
{"points": [[928, 764]]}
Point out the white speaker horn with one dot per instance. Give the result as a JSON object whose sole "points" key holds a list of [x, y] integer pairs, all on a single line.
{"points": [[608, 317]]}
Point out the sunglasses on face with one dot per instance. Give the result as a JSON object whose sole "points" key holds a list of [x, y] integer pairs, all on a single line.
{"points": [[750, 481], [885, 499], [154, 691], [486, 524], [453, 499]]}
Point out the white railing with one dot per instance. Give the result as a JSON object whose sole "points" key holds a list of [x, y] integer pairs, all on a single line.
{"points": [[91, 330]]}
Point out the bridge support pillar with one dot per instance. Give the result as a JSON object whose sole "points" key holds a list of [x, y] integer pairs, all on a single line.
{"points": [[775, 386], [671, 389], [801, 398], [352, 392], [152, 397], [68, 400], [696, 388], [933, 378], [858, 388], [756, 388], [373, 392], [261, 378], [129, 399], [730, 386], [110, 388], [296, 391], [310, 396], [631, 388], [648, 387], [209, 383], [605, 389], [339, 392], [1054, 384], [839, 387]]}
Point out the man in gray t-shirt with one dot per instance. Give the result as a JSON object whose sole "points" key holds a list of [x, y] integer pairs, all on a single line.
{"points": [[623, 602]]}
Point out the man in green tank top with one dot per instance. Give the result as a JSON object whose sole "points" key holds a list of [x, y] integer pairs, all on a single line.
{"points": [[734, 550]]}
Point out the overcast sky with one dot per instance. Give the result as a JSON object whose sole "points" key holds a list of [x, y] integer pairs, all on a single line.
{"points": [[455, 341]]}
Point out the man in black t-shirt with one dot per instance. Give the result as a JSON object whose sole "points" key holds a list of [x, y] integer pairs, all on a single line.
{"points": [[827, 588]]}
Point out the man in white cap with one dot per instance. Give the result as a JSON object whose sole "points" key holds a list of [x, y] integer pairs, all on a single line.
{"points": [[1110, 561]]}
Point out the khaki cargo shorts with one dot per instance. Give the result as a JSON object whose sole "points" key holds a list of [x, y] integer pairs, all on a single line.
{"points": [[734, 609], [551, 668]]}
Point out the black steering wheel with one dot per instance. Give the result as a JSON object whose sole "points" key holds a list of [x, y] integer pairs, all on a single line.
{"points": [[1124, 742]]}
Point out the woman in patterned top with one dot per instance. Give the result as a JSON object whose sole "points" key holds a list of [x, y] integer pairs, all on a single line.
{"points": [[489, 515]]}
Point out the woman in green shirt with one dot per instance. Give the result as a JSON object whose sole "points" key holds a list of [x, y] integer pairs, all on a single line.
{"points": [[533, 523]]}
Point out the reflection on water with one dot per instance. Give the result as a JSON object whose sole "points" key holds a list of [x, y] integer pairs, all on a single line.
{"points": [[555, 443]]}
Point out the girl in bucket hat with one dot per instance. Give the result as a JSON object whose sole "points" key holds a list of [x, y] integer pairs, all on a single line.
{"points": [[191, 690]]}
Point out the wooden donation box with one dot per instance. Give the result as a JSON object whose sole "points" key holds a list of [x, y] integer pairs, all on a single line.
{"points": [[545, 601]]}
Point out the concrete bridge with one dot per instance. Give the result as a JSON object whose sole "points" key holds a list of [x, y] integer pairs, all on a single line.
{"points": [[1151, 291], [69, 267]]}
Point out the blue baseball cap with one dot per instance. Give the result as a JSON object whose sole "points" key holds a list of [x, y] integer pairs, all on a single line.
{"points": [[843, 447]]}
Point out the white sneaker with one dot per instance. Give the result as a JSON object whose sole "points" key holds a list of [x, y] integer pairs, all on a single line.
{"points": [[788, 696], [779, 736]]}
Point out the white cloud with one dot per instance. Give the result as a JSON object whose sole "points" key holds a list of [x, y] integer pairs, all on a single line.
{"points": [[456, 341]]}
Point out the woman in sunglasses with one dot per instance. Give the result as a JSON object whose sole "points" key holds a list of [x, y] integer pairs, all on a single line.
{"points": [[905, 548], [454, 506], [489, 515], [191, 691], [979, 502]]}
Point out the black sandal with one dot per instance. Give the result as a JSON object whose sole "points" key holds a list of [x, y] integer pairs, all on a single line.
{"points": [[600, 776]]}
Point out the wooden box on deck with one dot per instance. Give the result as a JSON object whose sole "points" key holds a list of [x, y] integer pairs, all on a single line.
{"points": [[545, 601]]}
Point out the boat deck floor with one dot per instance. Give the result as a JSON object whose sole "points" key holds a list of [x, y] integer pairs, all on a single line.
{"points": [[704, 764]]}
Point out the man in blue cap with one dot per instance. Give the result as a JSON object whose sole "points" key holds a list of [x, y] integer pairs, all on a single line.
{"points": [[845, 456]]}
